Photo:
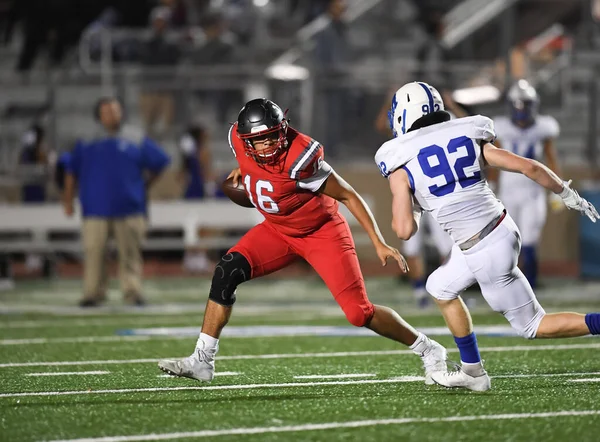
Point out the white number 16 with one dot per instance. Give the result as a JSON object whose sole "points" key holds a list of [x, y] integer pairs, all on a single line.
{"points": [[265, 202]]}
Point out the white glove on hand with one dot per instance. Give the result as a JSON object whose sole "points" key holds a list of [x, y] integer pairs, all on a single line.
{"points": [[573, 201]]}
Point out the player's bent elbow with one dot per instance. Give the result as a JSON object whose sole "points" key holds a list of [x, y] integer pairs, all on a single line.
{"points": [[402, 229]]}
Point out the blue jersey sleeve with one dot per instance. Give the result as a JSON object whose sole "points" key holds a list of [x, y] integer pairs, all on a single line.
{"points": [[153, 157], [73, 165]]}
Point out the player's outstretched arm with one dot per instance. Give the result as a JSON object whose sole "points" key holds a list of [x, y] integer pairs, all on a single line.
{"points": [[534, 170], [336, 187], [542, 175], [405, 216]]}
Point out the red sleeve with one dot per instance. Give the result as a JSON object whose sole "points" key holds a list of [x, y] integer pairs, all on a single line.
{"points": [[307, 162], [310, 169]]}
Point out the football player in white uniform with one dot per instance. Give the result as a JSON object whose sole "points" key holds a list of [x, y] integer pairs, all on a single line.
{"points": [[413, 248], [529, 135], [435, 165]]}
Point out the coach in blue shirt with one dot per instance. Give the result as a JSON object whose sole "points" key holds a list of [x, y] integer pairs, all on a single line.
{"points": [[113, 173]]}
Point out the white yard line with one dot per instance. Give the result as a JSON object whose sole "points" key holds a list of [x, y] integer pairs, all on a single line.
{"points": [[218, 373], [515, 348], [586, 379], [69, 373], [332, 426], [399, 379], [337, 376], [80, 339], [247, 331], [211, 387], [172, 309]]}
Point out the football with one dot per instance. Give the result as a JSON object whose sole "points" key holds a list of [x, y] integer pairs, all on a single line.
{"points": [[237, 194]]}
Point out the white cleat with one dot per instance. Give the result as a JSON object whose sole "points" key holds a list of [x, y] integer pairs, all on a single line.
{"points": [[460, 379], [200, 366], [434, 361]]}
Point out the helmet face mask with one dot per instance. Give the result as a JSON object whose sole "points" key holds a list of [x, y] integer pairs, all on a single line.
{"points": [[266, 146], [262, 127]]}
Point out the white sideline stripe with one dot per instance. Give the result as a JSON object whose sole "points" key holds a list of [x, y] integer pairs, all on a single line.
{"points": [[305, 355], [211, 387], [218, 373], [336, 376], [395, 380], [80, 339], [332, 425], [586, 380], [69, 373]]}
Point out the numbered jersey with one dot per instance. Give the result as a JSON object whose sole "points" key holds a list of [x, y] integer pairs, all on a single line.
{"points": [[286, 195], [528, 143], [444, 164]]}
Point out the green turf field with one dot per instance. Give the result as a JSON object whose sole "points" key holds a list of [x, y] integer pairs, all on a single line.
{"points": [[68, 374]]}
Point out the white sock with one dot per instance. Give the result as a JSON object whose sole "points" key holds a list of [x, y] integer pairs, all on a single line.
{"points": [[473, 369], [206, 342], [420, 346]]}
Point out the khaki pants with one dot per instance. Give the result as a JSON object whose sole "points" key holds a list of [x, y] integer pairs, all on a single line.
{"points": [[129, 233], [158, 111]]}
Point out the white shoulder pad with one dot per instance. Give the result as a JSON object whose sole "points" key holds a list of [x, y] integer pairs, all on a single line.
{"points": [[394, 154], [481, 128], [549, 127]]}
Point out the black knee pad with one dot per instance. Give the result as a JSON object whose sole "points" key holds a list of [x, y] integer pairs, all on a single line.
{"points": [[231, 271]]}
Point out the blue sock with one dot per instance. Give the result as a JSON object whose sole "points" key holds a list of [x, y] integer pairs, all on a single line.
{"points": [[467, 346], [530, 264], [592, 320], [418, 284]]}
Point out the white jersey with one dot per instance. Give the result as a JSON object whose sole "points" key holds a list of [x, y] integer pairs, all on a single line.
{"points": [[444, 164], [528, 143]]}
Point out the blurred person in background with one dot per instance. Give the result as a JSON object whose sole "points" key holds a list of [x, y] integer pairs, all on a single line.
{"points": [[34, 158], [197, 174], [217, 49], [157, 103], [110, 172], [430, 52], [532, 136], [331, 55], [34, 164]]}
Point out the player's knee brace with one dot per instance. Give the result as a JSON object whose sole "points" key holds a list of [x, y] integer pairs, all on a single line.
{"points": [[526, 320], [359, 315], [231, 271]]}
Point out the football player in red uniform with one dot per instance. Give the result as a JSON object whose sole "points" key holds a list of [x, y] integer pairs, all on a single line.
{"points": [[289, 182]]}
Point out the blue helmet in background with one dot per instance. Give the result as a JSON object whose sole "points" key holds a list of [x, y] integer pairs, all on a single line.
{"points": [[524, 103]]}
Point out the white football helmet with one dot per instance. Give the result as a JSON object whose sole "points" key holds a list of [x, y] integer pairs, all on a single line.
{"points": [[411, 102]]}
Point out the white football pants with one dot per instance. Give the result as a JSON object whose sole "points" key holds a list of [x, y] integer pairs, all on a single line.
{"points": [[528, 210], [493, 264]]}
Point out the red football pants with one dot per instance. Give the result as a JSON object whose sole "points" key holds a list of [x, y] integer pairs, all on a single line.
{"points": [[330, 251]]}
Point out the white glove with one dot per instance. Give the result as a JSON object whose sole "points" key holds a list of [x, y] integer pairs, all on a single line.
{"points": [[573, 201]]}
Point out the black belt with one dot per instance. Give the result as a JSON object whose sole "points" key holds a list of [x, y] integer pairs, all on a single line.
{"points": [[484, 232]]}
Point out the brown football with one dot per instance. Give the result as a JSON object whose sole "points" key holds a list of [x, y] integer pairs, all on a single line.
{"points": [[236, 194]]}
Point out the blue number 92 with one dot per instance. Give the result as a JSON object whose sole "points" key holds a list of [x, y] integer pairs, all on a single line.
{"points": [[444, 169]]}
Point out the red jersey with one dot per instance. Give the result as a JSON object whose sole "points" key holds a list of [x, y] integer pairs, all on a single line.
{"points": [[287, 196]]}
